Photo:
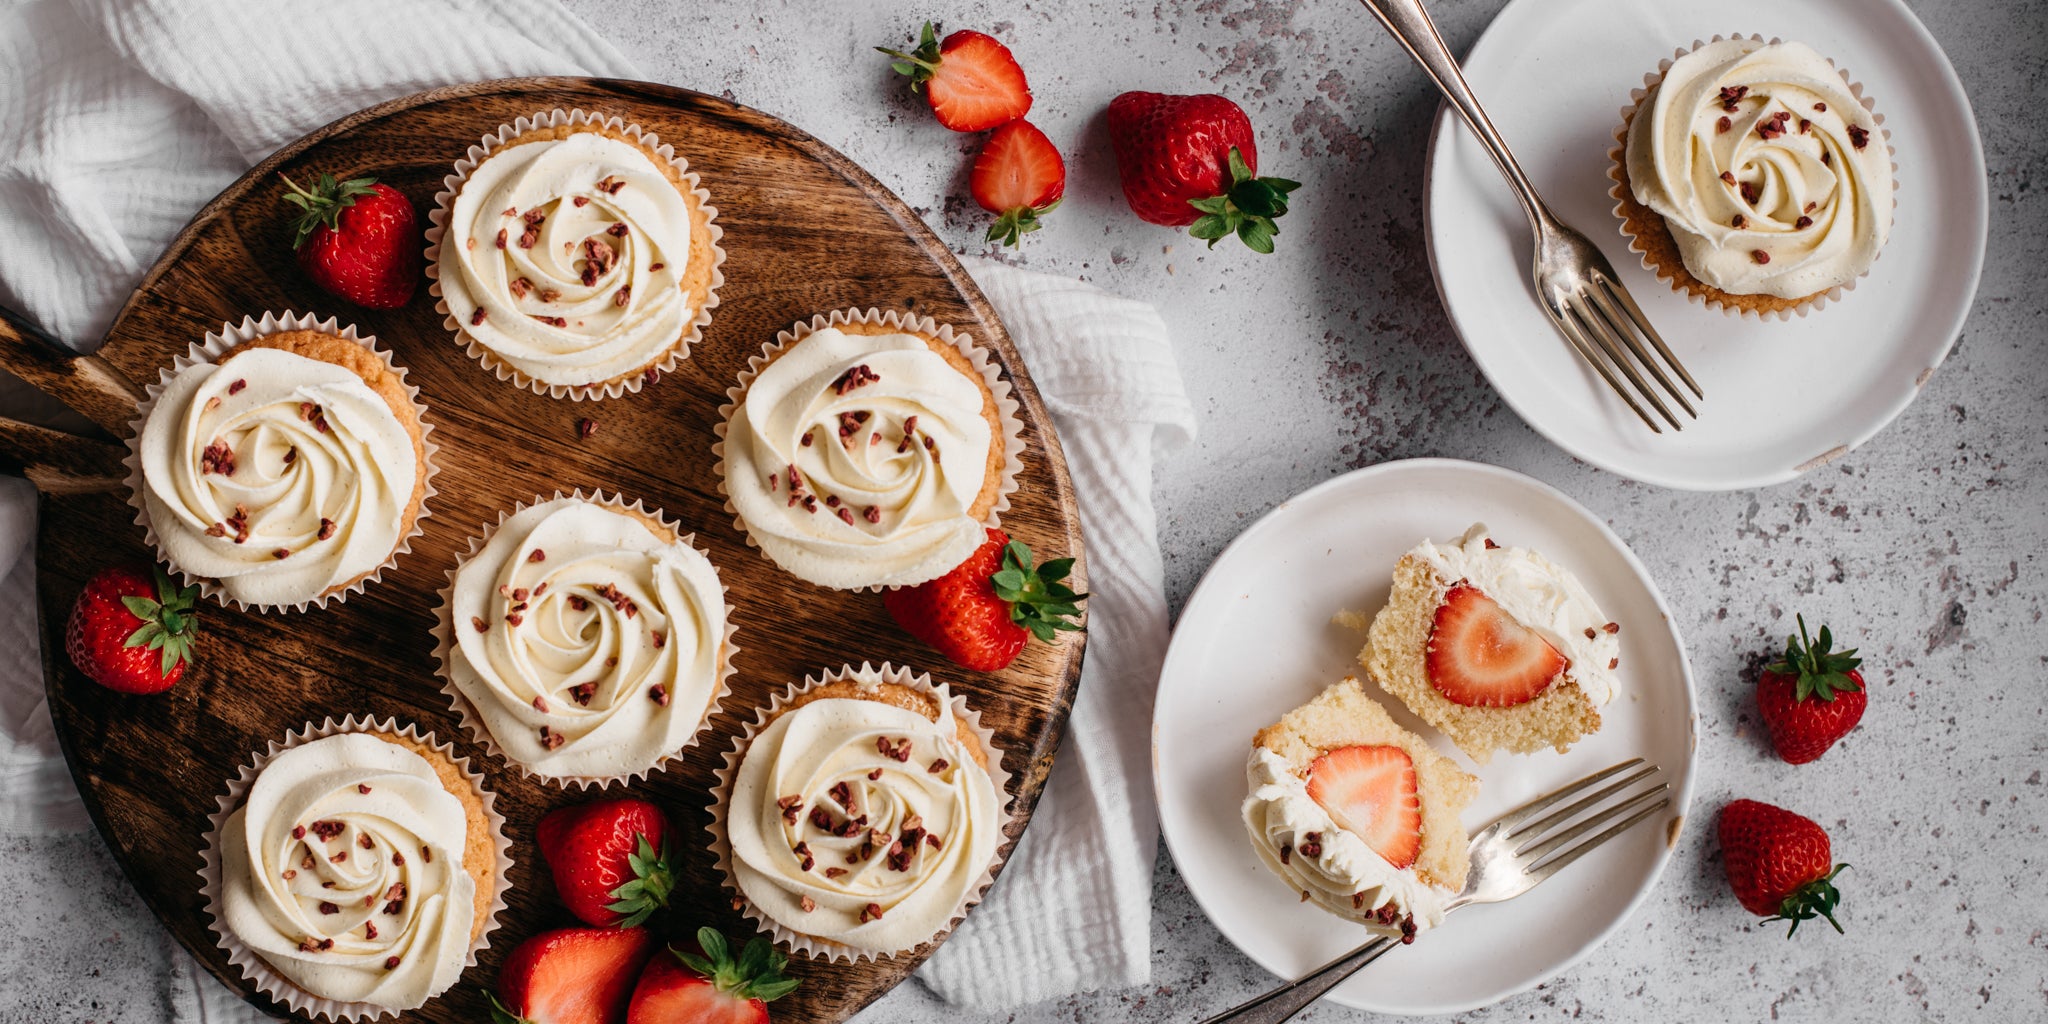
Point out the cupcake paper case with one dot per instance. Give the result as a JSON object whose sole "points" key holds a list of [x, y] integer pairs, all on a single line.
{"points": [[381, 800], [579, 268], [869, 893], [1806, 197], [301, 392]]}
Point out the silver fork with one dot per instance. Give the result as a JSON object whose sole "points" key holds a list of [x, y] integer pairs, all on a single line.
{"points": [[1574, 282], [1509, 856]]}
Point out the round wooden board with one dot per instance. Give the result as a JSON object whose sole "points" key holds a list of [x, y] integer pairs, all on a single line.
{"points": [[806, 231]]}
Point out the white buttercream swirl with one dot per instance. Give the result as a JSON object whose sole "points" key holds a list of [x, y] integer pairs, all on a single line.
{"points": [[1771, 175], [602, 643], [1541, 595], [279, 475], [343, 870], [887, 446], [862, 830], [574, 251], [1342, 873]]}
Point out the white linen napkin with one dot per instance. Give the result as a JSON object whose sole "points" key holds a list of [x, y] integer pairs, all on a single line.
{"points": [[119, 118]]}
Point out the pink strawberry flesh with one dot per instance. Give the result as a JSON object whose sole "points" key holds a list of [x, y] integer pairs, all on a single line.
{"points": [[1479, 656], [1370, 793]]}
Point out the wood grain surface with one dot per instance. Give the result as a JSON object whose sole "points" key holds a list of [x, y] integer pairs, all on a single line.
{"points": [[806, 232]]}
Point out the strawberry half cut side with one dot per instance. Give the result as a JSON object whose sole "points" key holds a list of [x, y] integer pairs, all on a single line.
{"points": [[1370, 792], [1480, 656]]}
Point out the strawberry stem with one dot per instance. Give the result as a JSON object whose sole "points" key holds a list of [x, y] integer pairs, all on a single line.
{"points": [[1039, 599], [322, 205], [920, 64], [1817, 898], [1014, 224], [168, 624], [757, 974], [1247, 208], [654, 877], [1820, 671]]}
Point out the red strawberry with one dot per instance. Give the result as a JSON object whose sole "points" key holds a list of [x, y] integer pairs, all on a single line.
{"points": [[1779, 863], [711, 989], [571, 976], [1811, 697], [1370, 793], [1479, 656], [971, 81], [980, 614], [357, 239], [132, 629], [1191, 160], [1018, 175], [605, 861]]}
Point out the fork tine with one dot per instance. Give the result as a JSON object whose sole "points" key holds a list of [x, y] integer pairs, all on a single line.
{"points": [[1522, 813], [1551, 866], [1537, 829], [1533, 854], [1635, 313], [1573, 334], [1599, 291], [1597, 328]]}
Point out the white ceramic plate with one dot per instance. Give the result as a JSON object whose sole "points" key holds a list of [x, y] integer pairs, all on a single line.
{"points": [[1782, 397], [1256, 640]]}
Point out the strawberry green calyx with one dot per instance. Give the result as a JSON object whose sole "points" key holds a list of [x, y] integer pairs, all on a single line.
{"points": [[169, 623], [1039, 600], [1246, 209], [501, 1015], [322, 206], [1820, 672], [1013, 225], [920, 64], [1817, 898], [654, 877], [757, 974]]}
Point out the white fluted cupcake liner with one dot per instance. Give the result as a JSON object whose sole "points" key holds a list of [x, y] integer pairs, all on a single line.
{"points": [[248, 961], [909, 323], [219, 343], [472, 721], [1620, 193], [451, 186], [721, 802]]}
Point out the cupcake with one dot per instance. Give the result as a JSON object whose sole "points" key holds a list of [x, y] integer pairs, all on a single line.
{"points": [[861, 813], [1357, 814], [1754, 177], [585, 640], [280, 463], [867, 449], [355, 874], [1497, 647], [574, 254]]}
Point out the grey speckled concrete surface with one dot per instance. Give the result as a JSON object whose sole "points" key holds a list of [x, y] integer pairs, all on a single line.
{"points": [[1924, 542]]}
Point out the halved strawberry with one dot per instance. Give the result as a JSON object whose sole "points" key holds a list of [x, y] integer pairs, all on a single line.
{"points": [[1018, 175], [571, 976], [1479, 656], [714, 988], [1370, 793], [971, 80]]}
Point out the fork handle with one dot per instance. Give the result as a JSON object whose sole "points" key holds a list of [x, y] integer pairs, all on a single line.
{"points": [[1289, 999], [1412, 27]]}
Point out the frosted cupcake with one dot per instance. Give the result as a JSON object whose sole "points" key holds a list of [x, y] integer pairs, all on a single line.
{"points": [[1754, 177], [861, 813], [279, 465], [585, 640], [575, 253], [869, 450]]}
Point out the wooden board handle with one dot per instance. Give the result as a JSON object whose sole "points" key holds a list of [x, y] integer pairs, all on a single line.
{"points": [[57, 462], [88, 384]]}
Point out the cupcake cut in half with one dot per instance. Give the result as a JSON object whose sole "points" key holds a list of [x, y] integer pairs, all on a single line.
{"points": [[1357, 814], [1497, 647]]}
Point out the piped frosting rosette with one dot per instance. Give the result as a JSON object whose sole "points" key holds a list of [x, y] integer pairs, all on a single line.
{"points": [[866, 449], [574, 253], [281, 477], [1753, 176], [853, 825], [584, 640], [336, 869]]}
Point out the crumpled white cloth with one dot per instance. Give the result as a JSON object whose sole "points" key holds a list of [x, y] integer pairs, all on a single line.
{"points": [[119, 118]]}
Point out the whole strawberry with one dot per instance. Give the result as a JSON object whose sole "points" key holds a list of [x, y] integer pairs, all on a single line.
{"points": [[1191, 160], [1811, 697], [610, 862], [971, 81], [358, 240], [132, 629], [1779, 863], [1018, 176], [982, 613], [715, 988]]}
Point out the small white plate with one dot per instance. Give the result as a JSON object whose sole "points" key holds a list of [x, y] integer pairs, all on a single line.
{"points": [[1256, 640], [1782, 397]]}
